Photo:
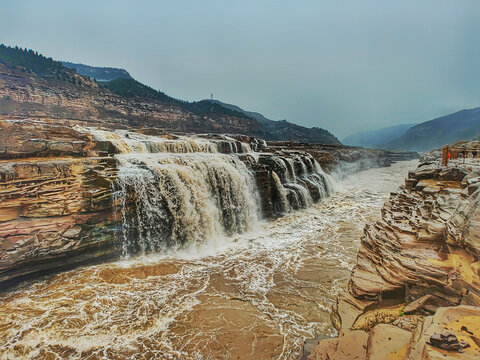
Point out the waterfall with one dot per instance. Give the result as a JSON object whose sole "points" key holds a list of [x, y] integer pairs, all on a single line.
{"points": [[282, 204], [129, 142], [297, 179], [183, 198], [175, 190]]}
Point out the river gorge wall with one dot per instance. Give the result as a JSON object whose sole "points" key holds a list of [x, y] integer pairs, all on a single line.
{"points": [[415, 290]]}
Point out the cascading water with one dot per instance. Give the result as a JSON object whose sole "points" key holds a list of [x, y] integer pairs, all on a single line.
{"points": [[180, 190], [282, 203], [177, 190], [298, 180], [183, 198]]}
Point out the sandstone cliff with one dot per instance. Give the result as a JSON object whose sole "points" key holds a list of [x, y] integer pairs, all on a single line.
{"points": [[415, 290]]}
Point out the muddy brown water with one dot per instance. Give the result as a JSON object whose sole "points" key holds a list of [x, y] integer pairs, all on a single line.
{"points": [[254, 296]]}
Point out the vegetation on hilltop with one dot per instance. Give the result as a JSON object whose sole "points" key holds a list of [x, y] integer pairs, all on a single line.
{"points": [[134, 89], [29, 61], [204, 108]]}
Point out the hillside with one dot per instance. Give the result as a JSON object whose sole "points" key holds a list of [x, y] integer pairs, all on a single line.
{"points": [[462, 125], [377, 138], [98, 73], [34, 86], [284, 130]]}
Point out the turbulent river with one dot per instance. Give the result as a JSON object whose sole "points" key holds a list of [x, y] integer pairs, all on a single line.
{"points": [[256, 295]]}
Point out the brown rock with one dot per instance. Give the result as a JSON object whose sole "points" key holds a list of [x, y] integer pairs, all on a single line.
{"points": [[387, 342], [325, 350], [417, 305], [423, 252], [441, 336], [349, 345], [448, 341]]}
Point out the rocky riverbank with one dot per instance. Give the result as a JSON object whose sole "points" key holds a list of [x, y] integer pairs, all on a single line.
{"points": [[415, 290]]}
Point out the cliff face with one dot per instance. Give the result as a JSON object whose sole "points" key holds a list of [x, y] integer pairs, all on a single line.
{"points": [[414, 268], [55, 199]]}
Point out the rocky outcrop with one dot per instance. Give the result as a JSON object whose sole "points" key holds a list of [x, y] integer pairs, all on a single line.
{"points": [[451, 333], [417, 273], [54, 213], [55, 202]]}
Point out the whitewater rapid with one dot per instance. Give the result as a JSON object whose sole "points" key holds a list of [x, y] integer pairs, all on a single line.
{"points": [[254, 295]]}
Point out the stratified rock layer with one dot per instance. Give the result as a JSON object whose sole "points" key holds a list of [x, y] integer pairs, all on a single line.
{"points": [[418, 270]]}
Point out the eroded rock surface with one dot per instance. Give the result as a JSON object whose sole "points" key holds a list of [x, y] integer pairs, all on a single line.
{"points": [[417, 273]]}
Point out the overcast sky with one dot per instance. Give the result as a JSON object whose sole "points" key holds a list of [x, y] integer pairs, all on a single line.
{"points": [[343, 65]]}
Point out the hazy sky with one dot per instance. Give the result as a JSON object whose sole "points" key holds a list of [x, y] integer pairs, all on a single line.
{"points": [[344, 65]]}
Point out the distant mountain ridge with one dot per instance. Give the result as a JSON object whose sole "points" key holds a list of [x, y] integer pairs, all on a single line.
{"points": [[377, 138], [98, 73], [425, 136], [432, 134]]}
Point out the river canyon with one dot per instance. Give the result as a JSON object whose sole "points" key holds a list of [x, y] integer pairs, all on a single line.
{"points": [[209, 267], [137, 225]]}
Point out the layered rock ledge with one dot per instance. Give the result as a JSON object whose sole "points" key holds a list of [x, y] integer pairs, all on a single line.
{"points": [[415, 290]]}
